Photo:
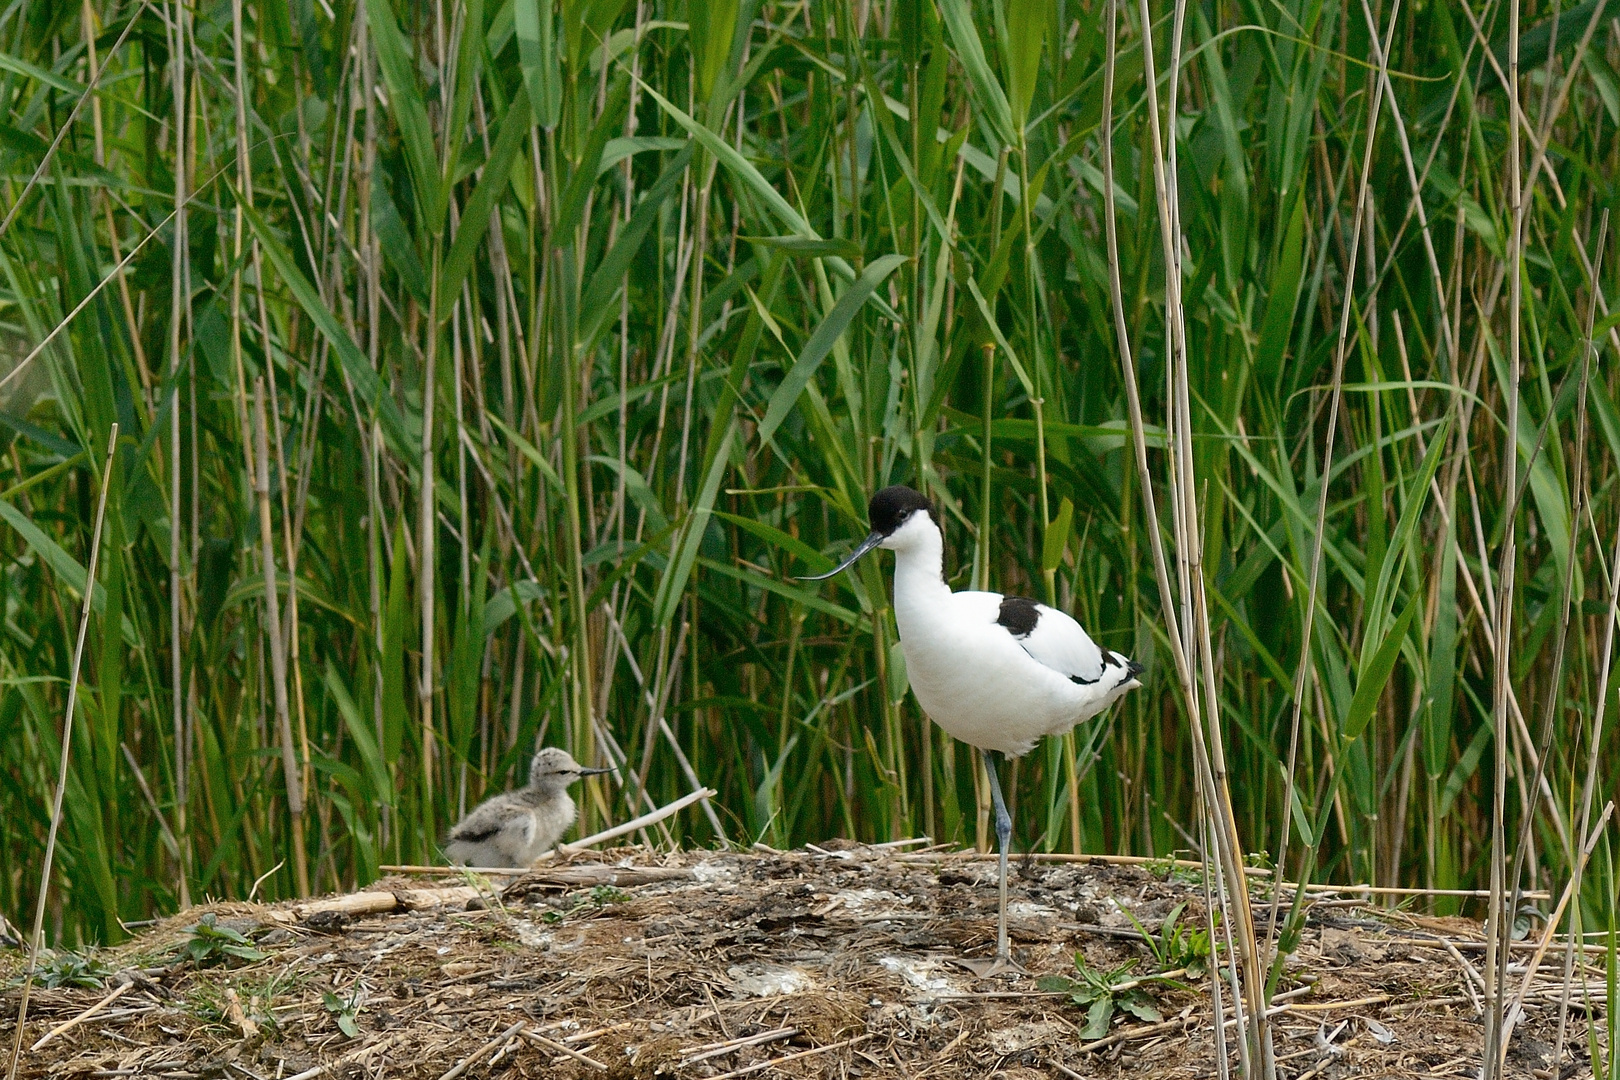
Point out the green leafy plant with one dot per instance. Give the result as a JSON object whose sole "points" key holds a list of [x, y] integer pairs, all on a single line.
{"points": [[210, 943], [71, 969], [1177, 946], [599, 896], [603, 895], [1101, 994], [344, 1011]]}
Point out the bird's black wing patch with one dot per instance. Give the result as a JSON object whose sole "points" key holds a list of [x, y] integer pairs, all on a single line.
{"points": [[466, 833], [1019, 615], [1057, 642]]}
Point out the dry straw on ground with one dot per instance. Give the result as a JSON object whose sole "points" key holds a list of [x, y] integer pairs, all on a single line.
{"points": [[823, 962]]}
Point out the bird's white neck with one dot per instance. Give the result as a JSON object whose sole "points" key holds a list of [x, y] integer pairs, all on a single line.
{"points": [[919, 566]]}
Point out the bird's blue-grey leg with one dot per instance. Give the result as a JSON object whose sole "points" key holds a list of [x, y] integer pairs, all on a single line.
{"points": [[992, 763]]}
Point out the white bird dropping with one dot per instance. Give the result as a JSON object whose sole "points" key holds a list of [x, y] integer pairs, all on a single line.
{"points": [[997, 672]]}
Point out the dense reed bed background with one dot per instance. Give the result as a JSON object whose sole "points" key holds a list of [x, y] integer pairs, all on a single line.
{"points": [[528, 354]]}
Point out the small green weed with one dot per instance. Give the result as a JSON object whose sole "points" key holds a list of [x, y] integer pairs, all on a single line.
{"points": [[211, 944], [1176, 946], [603, 895], [70, 969], [344, 1011], [1100, 993], [599, 897], [1177, 950]]}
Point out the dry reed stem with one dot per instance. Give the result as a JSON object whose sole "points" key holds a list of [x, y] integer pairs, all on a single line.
{"points": [[67, 125], [1217, 799], [37, 938], [1325, 473], [1472, 980], [1512, 1014], [709, 1050], [113, 274], [668, 810], [291, 773]]}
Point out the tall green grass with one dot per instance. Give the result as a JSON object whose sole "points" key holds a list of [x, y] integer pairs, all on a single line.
{"points": [[582, 328]]}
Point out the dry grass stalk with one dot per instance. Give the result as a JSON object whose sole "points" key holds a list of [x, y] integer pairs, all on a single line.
{"points": [[709, 1050], [1336, 398], [1516, 1010], [1217, 800], [36, 939], [1499, 920], [278, 653]]}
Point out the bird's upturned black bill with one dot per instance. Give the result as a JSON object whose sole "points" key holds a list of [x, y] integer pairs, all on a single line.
{"points": [[872, 540], [594, 772]]}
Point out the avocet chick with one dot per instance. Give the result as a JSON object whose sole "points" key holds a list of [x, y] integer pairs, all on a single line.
{"points": [[516, 827]]}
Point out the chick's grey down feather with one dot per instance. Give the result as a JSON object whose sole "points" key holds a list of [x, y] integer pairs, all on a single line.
{"points": [[514, 828]]}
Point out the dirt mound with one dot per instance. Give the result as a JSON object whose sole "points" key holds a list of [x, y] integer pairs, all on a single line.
{"points": [[826, 962]]}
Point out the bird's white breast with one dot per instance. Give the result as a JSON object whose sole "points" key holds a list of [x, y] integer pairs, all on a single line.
{"points": [[974, 679]]}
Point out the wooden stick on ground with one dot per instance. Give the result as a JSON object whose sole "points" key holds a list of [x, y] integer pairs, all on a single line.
{"points": [[569, 1051], [630, 826], [484, 1051], [704, 1053], [759, 1065], [349, 1058], [118, 992]]}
